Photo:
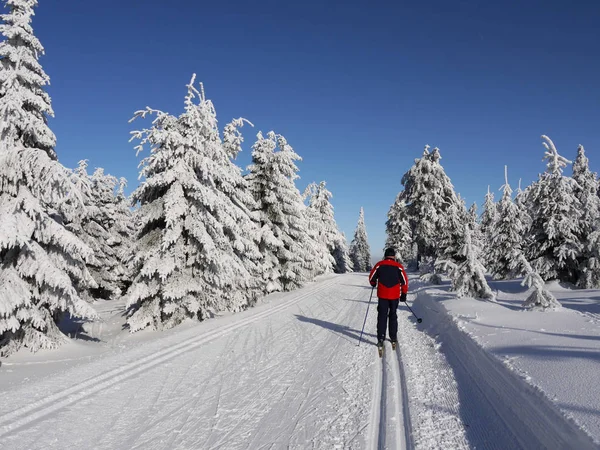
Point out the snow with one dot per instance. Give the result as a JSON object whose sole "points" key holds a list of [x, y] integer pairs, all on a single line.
{"points": [[288, 373]]}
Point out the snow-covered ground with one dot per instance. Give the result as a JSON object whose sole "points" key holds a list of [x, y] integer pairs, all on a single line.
{"points": [[289, 373]]}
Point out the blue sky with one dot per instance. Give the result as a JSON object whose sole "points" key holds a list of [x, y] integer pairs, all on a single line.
{"points": [[358, 88]]}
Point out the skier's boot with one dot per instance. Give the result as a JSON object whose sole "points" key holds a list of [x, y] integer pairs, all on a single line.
{"points": [[380, 348], [394, 343]]}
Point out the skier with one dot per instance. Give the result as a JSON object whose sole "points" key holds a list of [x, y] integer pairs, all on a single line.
{"points": [[392, 287]]}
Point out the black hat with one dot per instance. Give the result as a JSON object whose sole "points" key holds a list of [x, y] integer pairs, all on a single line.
{"points": [[389, 252]]}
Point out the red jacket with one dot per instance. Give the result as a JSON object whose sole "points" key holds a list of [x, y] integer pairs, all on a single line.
{"points": [[391, 279]]}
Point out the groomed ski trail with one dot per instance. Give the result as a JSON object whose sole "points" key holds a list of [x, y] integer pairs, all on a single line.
{"points": [[286, 374], [389, 418]]}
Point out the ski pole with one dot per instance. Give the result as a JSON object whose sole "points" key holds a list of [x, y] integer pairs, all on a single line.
{"points": [[363, 328], [419, 320]]}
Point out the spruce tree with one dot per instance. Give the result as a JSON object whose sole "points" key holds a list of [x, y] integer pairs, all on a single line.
{"points": [[555, 235], [287, 249], [195, 253], [423, 206], [489, 216], [586, 191], [398, 230], [24, 106], [539, 298], [42, 265], [322, 220], [360, 252], [468, 274], [341, 254], [506, 241], [98, 226]]}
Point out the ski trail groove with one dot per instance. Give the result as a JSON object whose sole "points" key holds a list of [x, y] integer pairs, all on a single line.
{"points": [[408, 441], [61, 399], [401, 426], [383, 404], [374, 418], [390, 426]]}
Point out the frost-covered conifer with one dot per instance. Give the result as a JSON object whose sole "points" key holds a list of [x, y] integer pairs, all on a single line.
{"points": [[398, 230], [506, 242], [288, 251], [341, 254], [468, 274], [486, 226], [421, 207], [360, 252], [539, 298], [320, 211], [586, 191], [554, 235], [98, 226], [24, 105], [195, 251], [42, 264]]}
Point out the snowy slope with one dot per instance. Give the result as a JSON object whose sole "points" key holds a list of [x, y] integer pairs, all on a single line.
{"points": [[285, 374]]}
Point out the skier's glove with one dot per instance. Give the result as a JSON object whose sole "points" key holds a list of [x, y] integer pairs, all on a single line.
{"points": [[403, 297]]}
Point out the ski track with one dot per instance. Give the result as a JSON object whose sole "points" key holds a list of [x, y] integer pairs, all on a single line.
{"points": [[389, 417]]}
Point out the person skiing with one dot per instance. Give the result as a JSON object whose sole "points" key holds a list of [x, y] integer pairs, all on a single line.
{"points": [[392, 286]]}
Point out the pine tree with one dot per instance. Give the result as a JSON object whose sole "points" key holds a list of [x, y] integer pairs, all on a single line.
{"points": [[398, 230], [506, 235], [586, 191], [554, 233], [360, 252], [42, 265], [287, 249], [194, 254], [24, 105]]}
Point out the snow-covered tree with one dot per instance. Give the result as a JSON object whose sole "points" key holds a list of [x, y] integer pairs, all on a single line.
{"points": [[98, 226], [486, 225], [289, 256], [586, 191], [472, 212], [320, 213], [360, 252], [24, 105], [398, 230], [539, 298], [506, 237], [421, 208], [521, 199], [42, 264], [555, 235], [451, 212], [195, 253], [467, 273], [341, 254]]}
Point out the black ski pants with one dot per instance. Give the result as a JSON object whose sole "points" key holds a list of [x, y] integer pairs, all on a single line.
{"points": [[387, 309]]}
